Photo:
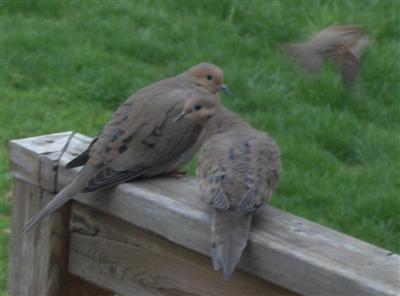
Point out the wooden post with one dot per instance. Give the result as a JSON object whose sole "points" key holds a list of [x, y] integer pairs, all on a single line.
{"points": [[152, 237], [38, 261]]}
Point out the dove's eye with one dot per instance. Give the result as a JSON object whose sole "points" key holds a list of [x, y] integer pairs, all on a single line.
{"points": [[197, 107], [209, 77]]}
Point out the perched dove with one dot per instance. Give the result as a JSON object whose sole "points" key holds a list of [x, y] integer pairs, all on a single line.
{"points": [[141, 139], [239, 168], [344, 44]]}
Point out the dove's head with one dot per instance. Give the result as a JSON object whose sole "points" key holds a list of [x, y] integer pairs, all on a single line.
{"points": [[209, 77], [198, 109]]}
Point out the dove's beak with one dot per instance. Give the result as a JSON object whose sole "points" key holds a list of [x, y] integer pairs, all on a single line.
{"points": [[226, 90], [180, 116]]}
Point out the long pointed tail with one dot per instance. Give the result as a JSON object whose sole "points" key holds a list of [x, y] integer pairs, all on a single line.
{"points": [[230, 233], [67, 193]]}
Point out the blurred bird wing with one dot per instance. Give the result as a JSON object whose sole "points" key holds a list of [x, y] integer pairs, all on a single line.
{"points": [[306, 55], [349, 66], [350, 60]]}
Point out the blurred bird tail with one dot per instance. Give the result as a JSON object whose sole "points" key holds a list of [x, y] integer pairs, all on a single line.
{"points": [[230, 233], [62, 197]]}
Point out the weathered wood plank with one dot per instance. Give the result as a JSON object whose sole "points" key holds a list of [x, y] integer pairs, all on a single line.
{"points": [[284, 249], [30, 257], [287, 250], [38, 260], [35, 159], [115, 254], [79, 287]]}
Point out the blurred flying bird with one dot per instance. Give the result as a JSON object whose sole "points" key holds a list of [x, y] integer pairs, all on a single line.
{"points": [[343, 44]]}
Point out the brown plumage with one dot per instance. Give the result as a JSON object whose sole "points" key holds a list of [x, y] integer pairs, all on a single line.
{"points": [[238, 168], [141, 139], [344, 44]]}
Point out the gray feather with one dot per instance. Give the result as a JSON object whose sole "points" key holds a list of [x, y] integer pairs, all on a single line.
{"points": [[230, 233], [107, 177]]}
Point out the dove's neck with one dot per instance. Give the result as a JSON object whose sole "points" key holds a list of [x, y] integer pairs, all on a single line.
{"points": [[223, 121]]}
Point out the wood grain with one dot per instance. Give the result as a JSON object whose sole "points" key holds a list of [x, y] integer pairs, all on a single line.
{"points": [[35, 159], [113, 253], [38, 260]]}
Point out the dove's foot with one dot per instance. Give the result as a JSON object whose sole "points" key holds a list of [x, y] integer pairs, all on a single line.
{"points": [[176, 174]]}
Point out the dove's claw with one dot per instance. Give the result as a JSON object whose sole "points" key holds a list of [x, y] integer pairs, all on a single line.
{"points": [[176, 174]]}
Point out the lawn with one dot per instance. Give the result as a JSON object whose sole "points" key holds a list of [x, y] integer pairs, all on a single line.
{"points": [[68, 65]]}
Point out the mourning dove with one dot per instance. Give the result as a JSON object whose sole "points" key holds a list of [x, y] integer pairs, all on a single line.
{"points": [[344, 44], [141, 139], [239, 168]]}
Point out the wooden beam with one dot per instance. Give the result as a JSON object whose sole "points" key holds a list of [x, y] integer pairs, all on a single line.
{"points": [[115, 254], [38, 260], [289, 251]]}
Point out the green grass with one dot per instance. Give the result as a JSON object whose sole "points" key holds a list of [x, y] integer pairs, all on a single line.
{"points": [[68, 65]]}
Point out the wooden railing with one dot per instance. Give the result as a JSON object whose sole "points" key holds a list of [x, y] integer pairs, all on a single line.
{"points": [[152, 237]]}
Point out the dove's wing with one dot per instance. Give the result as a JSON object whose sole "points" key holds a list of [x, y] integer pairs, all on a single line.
{"points": [[212, 172], [118, 124], [82, 158], [144, 141], [261, 172], [211, 185]]}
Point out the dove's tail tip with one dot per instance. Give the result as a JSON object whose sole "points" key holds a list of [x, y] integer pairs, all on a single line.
{"points": [[35, 219], [19, 233], [228, 274], [22, 231], [216, 262], [226, 262]]}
